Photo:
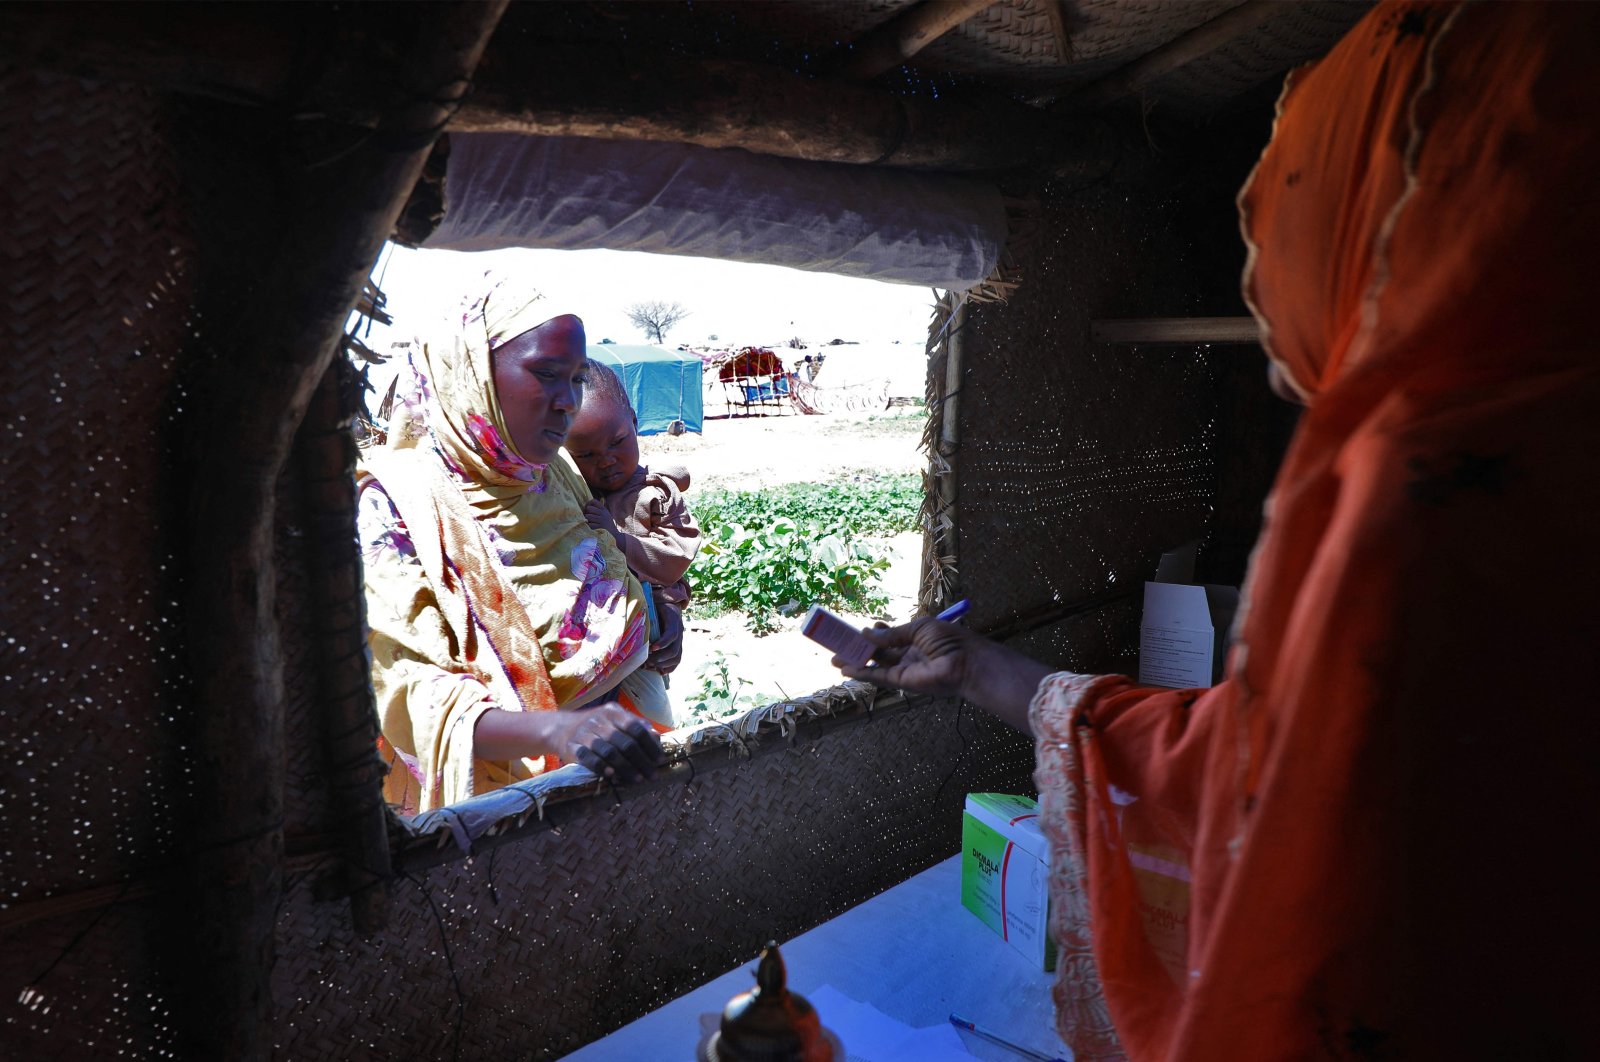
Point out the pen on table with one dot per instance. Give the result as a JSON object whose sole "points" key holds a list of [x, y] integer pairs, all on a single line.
{"points": [[962, 1023], [954, 612]]}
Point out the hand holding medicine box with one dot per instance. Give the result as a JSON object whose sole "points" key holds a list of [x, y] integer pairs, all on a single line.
{"points": [[1005, 873], [832, 632]]}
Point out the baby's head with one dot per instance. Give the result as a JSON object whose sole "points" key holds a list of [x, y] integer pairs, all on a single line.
{"points": [[603, 440]]}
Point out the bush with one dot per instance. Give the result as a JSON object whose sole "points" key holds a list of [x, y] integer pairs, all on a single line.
{"points": [[771, 553], [774, 570], [869, 505]]}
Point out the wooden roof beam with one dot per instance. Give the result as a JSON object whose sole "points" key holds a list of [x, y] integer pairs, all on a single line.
{"points": [[549, 90], [887, 46], [1058, 29]]}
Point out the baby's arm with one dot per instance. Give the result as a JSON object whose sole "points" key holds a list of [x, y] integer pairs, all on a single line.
{"points": [[599, 517], [670, 538]]}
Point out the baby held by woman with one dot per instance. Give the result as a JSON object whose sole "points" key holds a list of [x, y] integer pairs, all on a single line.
{"points": [[642, 510]]}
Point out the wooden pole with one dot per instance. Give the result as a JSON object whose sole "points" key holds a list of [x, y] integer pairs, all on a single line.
{"points": [[1176, 330], [326, 459], [295, 247], [1058, 29], [1200, 41], [940, 440], [720, 104], [887, 46], [950, 446]]}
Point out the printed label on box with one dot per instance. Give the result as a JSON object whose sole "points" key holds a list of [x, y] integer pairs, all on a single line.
{"points": [[1176, 638], [1005, 873]]}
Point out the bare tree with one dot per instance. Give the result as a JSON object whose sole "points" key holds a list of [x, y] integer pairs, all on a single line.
{"points": [[654, 318]]}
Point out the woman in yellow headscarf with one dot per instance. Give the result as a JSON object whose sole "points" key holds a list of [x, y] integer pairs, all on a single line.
{"points": [[491, 602]]}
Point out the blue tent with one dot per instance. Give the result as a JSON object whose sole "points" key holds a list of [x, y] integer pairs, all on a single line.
{"points": [[663, 385]]}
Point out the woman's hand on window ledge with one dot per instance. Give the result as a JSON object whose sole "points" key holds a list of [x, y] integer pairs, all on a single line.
{"points": [[612, 742], [606, 738]]}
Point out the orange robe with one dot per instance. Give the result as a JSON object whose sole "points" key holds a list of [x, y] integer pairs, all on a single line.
{"points": [[1367, 841]]}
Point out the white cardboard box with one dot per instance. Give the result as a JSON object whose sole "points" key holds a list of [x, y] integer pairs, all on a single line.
{"points": [[1177, 638], [1183, 634], [1005, 872]]}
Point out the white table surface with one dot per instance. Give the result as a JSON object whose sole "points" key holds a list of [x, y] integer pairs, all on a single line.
{"points": [[913, 952]]}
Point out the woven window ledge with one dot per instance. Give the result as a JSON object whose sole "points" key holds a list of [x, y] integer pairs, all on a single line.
{"points": [[553, 800]]}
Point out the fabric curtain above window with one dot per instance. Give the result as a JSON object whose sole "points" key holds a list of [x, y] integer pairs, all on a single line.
{"points": [[575, 193]]}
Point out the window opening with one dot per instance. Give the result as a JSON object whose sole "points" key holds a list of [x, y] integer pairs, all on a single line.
{"points": [[802, 447]]}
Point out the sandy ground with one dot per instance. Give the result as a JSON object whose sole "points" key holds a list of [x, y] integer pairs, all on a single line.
{"points": [[748, 453]]}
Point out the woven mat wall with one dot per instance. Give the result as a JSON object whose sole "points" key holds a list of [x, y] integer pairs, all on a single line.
{"points": [[594, 925], [560, 938], [306, 797], [101, 267], [1079, 463], [96, 291]]}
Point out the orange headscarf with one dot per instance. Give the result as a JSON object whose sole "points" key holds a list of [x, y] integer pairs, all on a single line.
{"points": [[1380, 814]]}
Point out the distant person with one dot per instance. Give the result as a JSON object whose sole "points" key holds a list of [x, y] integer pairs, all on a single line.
{"points": [[1364, 842], [490, 600], [642, 510]]}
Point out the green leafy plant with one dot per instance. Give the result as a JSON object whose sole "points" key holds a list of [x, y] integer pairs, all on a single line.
{"points": [[772, 570], [770, 553], [866, 504], [721, 692]]}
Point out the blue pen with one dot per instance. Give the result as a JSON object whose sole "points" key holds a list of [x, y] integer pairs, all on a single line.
{"points": [[954, 612], [1038, 1056]]}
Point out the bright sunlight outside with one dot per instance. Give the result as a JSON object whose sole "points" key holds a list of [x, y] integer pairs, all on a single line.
{"points": [[794, 509]]}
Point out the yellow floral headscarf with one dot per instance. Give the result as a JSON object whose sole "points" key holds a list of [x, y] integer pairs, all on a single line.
{"points": [[485, 585], [452, 394]]}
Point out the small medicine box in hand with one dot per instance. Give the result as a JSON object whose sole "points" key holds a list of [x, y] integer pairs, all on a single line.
{"points": [[831, 632]]}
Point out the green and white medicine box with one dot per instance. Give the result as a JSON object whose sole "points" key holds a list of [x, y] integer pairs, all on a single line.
{"points": [[1005, 868]]}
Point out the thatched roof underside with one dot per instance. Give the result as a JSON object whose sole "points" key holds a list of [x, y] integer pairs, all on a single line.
{"points": [[1040, 50]]}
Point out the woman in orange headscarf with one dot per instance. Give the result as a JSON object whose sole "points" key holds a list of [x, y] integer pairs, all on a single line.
{"points": [[1364, 841]]}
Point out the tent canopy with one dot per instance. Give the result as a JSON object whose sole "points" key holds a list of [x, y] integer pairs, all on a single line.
{"points": [[663, 385]]}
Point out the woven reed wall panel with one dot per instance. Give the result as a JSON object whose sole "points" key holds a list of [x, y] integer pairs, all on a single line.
{"points": [[305, 797], [96, 306], [559, 938], [1105, 641], [97, 292], [94, 990], [1079, 463]]}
